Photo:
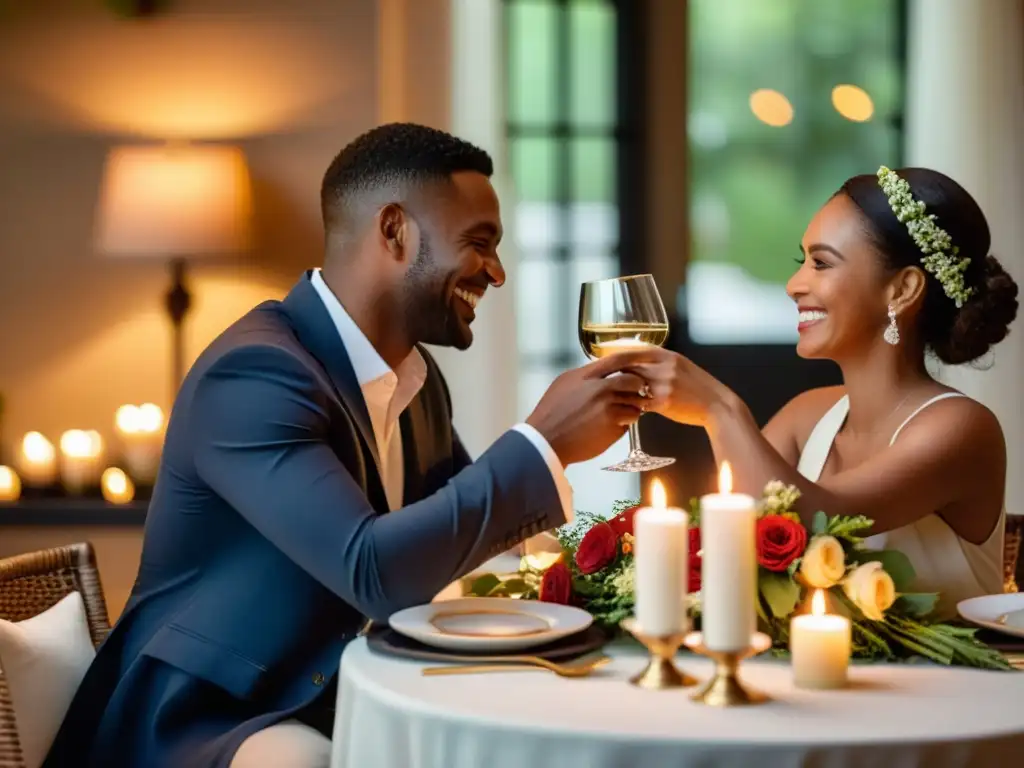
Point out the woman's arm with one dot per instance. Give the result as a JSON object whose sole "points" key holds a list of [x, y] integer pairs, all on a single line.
{"points": [[952, 453]]}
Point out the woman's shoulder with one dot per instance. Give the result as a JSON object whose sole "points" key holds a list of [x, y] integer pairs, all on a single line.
{"points": [[951, 413], [790, 427]]}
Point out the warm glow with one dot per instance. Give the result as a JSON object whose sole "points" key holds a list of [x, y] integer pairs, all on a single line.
{"points": [[771, 107], [725, 478], [133, 419], [818, 603], [10, 484], [79, 444], [658, 500], [174, 201], [853, 103], [37, 449], [117, 487]]}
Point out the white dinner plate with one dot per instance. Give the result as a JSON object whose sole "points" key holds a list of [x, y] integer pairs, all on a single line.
{"points": [[496, 624], [987, 611]]}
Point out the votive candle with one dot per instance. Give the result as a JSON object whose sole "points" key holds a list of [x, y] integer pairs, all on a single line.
{"points": [[820, 644]]}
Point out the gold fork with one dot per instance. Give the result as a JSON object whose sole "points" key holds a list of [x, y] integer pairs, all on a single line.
{"points": [[520, 663]]}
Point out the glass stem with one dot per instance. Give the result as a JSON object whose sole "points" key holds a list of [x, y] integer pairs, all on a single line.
{"points": [[634, 438]]}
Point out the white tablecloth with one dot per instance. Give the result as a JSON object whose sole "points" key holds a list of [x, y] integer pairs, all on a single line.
{"points": [[390, 716]]}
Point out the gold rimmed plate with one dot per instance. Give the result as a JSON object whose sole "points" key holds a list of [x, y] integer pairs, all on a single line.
{"points": [[494, 624]]}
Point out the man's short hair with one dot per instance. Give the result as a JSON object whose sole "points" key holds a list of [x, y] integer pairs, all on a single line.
{"points": [[393, 155]]}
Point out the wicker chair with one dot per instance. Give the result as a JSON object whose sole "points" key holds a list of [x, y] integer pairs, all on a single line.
{"points": [[32, 583], [1011, 551]]}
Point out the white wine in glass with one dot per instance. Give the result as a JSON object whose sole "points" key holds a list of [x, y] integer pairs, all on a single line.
{"points": [[617, 315]]}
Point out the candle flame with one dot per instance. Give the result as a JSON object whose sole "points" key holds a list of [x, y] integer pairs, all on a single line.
{"points": [[37, 449], [725, 478], [818, 603], [658, 495]]}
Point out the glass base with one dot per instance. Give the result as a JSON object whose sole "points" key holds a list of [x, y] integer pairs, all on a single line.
{"points": [[638, 461]]}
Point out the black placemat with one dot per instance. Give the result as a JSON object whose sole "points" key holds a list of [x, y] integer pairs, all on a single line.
{"points": [[1001, 641], [386, 641]]}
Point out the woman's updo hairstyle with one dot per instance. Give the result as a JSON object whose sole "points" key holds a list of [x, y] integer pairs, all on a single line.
{"points": [[954, 335]]}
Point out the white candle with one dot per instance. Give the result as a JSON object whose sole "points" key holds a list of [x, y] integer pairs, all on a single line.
{"points": [[116, 486], [37, 461], [729, 567], [10, 485], [140, 433], [80, 453], [660, 558], [820, 646]]}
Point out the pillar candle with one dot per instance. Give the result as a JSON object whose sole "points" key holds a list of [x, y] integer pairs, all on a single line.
{"points": [[37, 461], [729, 567], [80, 453], [116, 486], [10, 485], [820, 647], [140, 434], [660, 558]]}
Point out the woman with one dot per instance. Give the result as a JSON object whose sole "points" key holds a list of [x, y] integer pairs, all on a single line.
{"points": [[892, 267]]}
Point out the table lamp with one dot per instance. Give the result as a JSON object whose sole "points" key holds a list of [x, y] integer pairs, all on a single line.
{"points": [[174, 202]]}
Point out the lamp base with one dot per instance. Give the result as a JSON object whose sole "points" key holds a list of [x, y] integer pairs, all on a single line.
{"points": [[177, 301]]}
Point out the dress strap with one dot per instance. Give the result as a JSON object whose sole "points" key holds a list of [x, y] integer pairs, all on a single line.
{"points": [[819, 442], [937, 398]]}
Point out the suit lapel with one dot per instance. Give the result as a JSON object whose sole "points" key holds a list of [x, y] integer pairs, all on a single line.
{"points": [[318, 334]]}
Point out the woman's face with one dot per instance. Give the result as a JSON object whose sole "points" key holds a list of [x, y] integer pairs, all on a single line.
{"points": [[839, 288]]}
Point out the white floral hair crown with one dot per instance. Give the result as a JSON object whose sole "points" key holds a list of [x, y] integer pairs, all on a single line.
{"points": [[941, 257]]}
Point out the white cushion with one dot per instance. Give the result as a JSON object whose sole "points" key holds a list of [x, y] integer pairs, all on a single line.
{"points": [[290, 744], [44, 660]]}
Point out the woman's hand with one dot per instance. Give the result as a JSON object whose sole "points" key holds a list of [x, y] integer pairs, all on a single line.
{"points": [[681, 390]]}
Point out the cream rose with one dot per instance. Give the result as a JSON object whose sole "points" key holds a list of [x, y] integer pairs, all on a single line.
{"points": [[824, 562], [871, 589]]}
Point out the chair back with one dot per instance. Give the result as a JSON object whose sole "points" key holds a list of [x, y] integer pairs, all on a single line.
{"points": [[32, 583]]}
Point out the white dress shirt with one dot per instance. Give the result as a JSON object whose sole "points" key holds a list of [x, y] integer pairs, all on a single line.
{"points": [[388, 393]]}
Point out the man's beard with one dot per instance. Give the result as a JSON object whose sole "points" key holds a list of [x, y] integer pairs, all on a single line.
{"points": [[427, 308]]}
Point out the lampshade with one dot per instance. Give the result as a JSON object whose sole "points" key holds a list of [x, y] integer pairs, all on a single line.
{"points": [[174, 201]]}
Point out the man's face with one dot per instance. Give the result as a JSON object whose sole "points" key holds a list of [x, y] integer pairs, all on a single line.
{"points": [[456, 261]]}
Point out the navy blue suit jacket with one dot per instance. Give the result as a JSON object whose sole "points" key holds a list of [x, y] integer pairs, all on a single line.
{"points": [[269, 543]]}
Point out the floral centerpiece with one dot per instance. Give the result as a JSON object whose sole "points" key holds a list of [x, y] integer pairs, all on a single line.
{"points": [[594, 571]]}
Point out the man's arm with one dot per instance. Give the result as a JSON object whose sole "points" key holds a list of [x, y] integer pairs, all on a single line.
{"points": [[259, 425]]}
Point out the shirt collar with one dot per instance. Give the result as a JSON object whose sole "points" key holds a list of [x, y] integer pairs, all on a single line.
{"points": [[367, 363]]}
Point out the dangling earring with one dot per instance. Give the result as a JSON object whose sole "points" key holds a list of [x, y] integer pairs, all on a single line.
{"points": [[892, 331]]}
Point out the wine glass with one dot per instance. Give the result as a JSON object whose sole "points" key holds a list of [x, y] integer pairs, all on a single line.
{"points": [[616, 315]]}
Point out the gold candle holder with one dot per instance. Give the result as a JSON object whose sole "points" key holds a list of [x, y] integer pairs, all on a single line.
{"points": [[725, 688], [660, 673]]}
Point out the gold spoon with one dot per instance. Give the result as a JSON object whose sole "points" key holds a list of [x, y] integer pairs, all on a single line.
{"points": [[519, 663]]}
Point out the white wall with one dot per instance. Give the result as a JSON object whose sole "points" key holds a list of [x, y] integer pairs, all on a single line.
{"points": [[965, 117]]}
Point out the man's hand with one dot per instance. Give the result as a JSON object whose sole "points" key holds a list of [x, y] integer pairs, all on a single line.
{"points": [[587, 409]]}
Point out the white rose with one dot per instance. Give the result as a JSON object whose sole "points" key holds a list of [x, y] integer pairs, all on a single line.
{"points": [[824, 562], [871, 589]]}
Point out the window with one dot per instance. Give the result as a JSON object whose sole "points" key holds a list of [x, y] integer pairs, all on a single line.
{"points": [[787, 99], [565, 140]]}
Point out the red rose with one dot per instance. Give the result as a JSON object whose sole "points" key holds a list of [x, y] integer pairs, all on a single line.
{"points": [[556, 584], [780, 541], [693, 583], [623, 522], [597, 549]]}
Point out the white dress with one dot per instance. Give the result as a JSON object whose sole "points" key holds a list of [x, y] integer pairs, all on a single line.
{"points": [[943, 562]]}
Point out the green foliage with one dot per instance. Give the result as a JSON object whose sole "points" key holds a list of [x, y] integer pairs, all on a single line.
{"points": [[781, 593]]}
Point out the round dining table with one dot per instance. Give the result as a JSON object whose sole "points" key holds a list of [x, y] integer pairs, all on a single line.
{"points": [[389, 715]]}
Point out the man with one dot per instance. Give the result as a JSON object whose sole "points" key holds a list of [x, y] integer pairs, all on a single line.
{"points": [[311, 477]]}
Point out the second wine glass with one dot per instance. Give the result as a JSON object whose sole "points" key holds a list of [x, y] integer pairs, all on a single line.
{"points": [[616, 315]]}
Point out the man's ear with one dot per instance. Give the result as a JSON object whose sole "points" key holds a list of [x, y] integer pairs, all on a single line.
{"points": [[393, 225]]}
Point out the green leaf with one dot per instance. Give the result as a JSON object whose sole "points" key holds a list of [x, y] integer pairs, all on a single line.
{"points": [[794, 567], [819, 524], [918, 604], [780, 592], [515, 586], [895, 563], [483, 585]]}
